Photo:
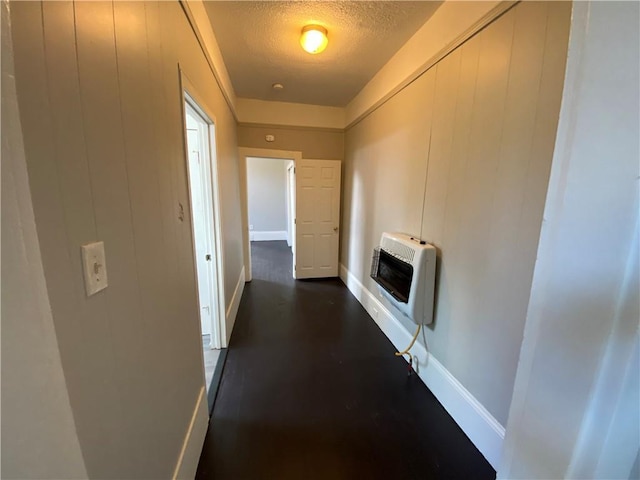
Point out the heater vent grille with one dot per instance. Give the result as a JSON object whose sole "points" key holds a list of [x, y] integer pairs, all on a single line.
{"points": [[397, 249]]}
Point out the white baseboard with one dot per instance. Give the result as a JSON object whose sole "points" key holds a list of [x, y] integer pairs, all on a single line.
{"points": [[255, 236], [486, 433], [194, 439], [232, 311]]}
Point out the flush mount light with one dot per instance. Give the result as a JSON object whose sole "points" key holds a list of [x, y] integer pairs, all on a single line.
{"points": [[314, 39], [277, 86]]}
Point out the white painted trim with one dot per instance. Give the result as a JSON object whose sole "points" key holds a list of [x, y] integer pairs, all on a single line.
{"points": [[486, 433], [199, 20], [264, 112], [232, 310], [291, 206], [270, 153], [265, 236], [194, 439]]}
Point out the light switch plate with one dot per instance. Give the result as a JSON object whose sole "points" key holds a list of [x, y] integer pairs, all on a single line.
{"points": [[95, 267]]}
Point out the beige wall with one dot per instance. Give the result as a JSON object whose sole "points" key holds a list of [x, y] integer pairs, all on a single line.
{"points": [[39, 437], [98, 89], [449, 25], [267, 194], [313, 143], [575, 407], [479, 127], [251, 111]]}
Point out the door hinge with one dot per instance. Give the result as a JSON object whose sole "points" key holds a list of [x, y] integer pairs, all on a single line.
{"points": [[208, 257], [295, 221]]}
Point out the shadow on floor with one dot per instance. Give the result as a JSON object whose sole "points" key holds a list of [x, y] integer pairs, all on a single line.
{"points": [[311, 390]]}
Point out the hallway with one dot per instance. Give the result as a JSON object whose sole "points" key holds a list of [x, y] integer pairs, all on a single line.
{"points": [[311, 390]]}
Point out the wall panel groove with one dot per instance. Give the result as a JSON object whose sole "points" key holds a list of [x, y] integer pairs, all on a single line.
{"points": [[100, 102], [491, 125]]}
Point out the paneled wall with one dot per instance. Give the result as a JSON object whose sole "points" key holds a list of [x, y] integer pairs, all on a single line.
{"points": [[39, 437], [575, 411], [461, 157], [100, 103]]}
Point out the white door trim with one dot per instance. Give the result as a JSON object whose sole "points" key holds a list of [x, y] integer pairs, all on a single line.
{"points": [[291, 206], [190, 95], [243, 153]]}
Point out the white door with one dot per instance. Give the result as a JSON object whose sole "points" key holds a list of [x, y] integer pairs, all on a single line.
{"points": [[317, 218], [202, 218], [199, 228]]}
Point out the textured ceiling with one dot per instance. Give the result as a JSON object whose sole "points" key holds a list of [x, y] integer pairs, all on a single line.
{"points": [[260, 45]]}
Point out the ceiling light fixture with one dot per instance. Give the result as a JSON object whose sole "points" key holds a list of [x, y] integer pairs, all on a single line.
{"points": [[314, 39]]}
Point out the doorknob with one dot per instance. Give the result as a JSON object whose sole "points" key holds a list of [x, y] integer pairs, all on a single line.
{"points": [[335, 229]]}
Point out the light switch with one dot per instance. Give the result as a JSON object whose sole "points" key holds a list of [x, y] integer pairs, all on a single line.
{"points": [[95, 267]]}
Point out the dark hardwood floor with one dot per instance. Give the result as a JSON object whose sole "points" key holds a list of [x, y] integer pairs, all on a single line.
{"points": [[311, 390]]}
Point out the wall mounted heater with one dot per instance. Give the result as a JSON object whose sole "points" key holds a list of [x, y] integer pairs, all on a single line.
{"points": [[405, 269]]}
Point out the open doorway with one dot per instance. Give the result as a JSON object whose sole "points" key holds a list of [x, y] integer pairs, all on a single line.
{"points": [[291, 157], [313, 187], [270, 202], [201, 166], [269, 199]]}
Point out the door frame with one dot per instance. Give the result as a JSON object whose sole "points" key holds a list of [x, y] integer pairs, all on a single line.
{"points": [[291, 204], [189, 94], [243, 153]]}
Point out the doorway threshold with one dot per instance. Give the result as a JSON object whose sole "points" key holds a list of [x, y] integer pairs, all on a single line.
{"points": [[212, 391]]}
